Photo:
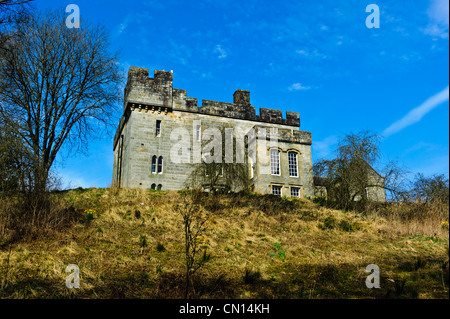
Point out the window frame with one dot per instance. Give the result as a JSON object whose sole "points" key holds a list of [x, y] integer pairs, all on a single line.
{"points": [[160, 165], [154, 164], [298, 192], [277, 187], [158, 128], [278, 162], [290, 164]]}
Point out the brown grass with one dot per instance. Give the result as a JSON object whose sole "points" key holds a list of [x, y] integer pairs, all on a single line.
{"points": [[260, 246]]}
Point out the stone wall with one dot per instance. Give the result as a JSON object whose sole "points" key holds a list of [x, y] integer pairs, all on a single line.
{"points": [[148, 100]]}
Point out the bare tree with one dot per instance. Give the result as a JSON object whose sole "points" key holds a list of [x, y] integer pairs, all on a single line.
{"points": [[13, 10], [432, 188], [15, 162], [194, 220], [57, 86], [350, 176], [220, 175]]}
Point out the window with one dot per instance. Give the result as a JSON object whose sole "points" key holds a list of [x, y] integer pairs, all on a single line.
{"points": [[159, 187], [275, 162], [158, 127], [198, 133], [293, 168], [154, 165], [295, 192], [276, 190], [153, 186], [160, 165]]}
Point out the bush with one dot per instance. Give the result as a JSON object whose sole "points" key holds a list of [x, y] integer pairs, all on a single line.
{"points": [[23, 216], [160, 247], [328, 223], [251, 276], [322, 201], [348, 227]]}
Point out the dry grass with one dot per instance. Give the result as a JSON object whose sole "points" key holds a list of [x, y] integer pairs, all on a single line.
{"points": [[259, 247]]}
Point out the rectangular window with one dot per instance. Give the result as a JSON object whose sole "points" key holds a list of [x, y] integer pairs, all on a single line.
{"points": [[295, 192], [293, 168], [275, 162], [158, 127], [276, 190]]}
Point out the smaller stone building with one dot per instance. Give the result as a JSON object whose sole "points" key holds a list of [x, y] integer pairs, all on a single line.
{"points": [[374, 193]]}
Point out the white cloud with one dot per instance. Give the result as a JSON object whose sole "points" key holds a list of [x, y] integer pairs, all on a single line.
{"points": [[312, 54], [70, 180], [121, 28], [221, 51], [439, 21], [298, 87], [416, 114]]}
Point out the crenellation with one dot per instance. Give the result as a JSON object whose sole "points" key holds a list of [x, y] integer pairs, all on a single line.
{"points": [[271, 115], [292, 118], [159, 91]]}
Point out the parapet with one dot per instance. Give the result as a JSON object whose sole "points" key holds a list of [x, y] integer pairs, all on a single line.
{"points": [[283, 135], [159, 92], [141, 89]]}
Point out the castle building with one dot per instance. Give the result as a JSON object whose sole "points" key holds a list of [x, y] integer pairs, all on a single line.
{"points": [[161, 131]]}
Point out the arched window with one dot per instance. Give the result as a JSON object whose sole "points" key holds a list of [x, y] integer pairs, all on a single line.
{"points": [[159, 187], [293, 167], [275, 161], [153, 164], [160, 165], [153, 186]]}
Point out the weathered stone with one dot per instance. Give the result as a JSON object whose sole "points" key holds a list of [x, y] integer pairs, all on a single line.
{"points": [[149, 101]]}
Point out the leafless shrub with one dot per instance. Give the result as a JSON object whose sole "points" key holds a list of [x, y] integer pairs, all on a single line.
{"points": [[194, 220]]}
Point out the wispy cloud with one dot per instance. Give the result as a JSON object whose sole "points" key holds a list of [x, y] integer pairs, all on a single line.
{"points": [[439, 21], [298, 87], [122, 27], [70, 179], [311, 54], [221, 51], [323, 148], [416, 114]]}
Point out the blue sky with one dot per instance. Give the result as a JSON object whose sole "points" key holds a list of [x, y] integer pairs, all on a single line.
{"points": [[318, 59]]}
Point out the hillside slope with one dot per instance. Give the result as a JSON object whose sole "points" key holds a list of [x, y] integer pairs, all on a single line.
{"points": [[255, 247]]}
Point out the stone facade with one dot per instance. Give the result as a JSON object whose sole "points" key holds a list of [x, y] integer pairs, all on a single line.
{"points": [[158, 117]]}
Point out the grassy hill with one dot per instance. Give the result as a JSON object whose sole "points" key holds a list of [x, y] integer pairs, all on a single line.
{"points": [[255, 246]]}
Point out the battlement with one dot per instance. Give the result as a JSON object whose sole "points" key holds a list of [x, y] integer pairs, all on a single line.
{"points": [[159, 92], [283, 135]]}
